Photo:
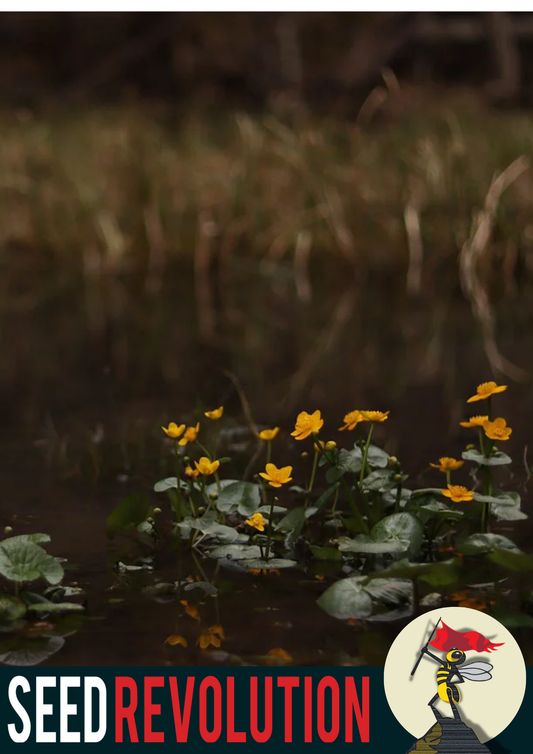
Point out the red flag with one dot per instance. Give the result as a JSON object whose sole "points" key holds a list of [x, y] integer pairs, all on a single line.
{"points": [[447, 638]]}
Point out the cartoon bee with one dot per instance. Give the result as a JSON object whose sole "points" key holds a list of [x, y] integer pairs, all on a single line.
{"points": [[448, 691]]}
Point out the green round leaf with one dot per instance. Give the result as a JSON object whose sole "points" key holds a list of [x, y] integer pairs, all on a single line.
{"points": [[271, 563], [496, 459], [26, 561], [403, 527], [365, 544], [478, 544], [390, 590], [243, 497], [377, 458], [236, 552], [346, 599]]}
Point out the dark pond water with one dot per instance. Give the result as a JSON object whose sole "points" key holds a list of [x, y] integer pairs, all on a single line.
{"points": [[83, 434]]}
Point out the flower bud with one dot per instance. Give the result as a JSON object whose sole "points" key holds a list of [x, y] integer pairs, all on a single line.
{"points": [[305, 454], [8, 530], [213, 495], [201, 510], [393, 461], [397, 477], [157, 511], [331, 445], [470, 447]]}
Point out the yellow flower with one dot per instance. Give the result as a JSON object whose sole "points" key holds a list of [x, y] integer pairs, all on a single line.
{"points": [[485, 390], [176, 639], [447, 464], [475, 421], [205, 466], [208, 637], [173, 430], [216, 413], [268, 434], [191, 610], [375, 416], [276, 477], [189, 471], [191, 433], [498, 429], [458, 494], [258, 521], [217, 631], [307, 424], [351, 420]]}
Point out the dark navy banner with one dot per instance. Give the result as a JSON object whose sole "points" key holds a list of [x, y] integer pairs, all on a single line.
{"points": [[199, 707]]}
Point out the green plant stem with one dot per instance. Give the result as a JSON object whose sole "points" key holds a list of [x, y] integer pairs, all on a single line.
{"points": [[481, 443], [270, 525], [217, 480], [397, 506], [269, 451], [204, 449], [448, 477], [355, 510], [365, 454], [178, 488], [313, 475]]}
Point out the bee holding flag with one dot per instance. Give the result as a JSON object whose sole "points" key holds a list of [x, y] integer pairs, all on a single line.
{"points": [[455, 644]]}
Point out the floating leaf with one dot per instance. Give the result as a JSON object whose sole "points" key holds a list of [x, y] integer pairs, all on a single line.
{"points": [[205, 586], [346, 599], [496, 459], [514, 560], [363, 543], [243, 497], [436, 574], [22, 560], [28, 652], [55, 607], [390, 590], [478, 544], [271, 563], [236, 552], [35, 538]]}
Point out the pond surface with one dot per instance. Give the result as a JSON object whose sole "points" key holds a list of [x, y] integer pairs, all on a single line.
{"points": [[75, 446]]}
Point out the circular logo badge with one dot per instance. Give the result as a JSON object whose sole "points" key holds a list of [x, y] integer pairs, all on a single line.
{"points": [[454, 672]]}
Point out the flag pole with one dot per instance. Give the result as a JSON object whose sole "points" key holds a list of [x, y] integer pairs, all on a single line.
{"points": [[413, 671]]}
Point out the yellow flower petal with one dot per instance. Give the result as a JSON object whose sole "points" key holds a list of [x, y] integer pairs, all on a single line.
{"points": [[485, 390], [268, 434], [173, 430], [375, 416], [215, 413]]}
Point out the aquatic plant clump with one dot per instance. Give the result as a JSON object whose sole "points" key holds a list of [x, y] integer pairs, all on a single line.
{"points": [[398, 548]]}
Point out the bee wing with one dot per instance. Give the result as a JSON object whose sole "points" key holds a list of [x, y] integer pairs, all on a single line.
{"points": [[477, 671]]}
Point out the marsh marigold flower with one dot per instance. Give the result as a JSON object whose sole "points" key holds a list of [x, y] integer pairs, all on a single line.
{"points": [[307, 424], [212, 635], [205, 466], [268, 434], [176, 639], [351, 420], [475, 421], [485, 390], [279, 654], [375, 416], [191, 433], [215, 414], [447, 464], [467, 599], [458, 494], [257, 521], [276, 477], [173, 430], [189, 471], [191, 610], [498, 429]]}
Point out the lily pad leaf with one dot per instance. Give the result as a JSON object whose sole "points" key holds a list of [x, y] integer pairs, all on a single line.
{"points": [[55, 607], [364, 543], [436, 574], [496, 459], [270, 564], [35, 538], [32, 651], [346, 599], [390, 590], [236, 552], [22, 560], [478, 544], [514, 561]]}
